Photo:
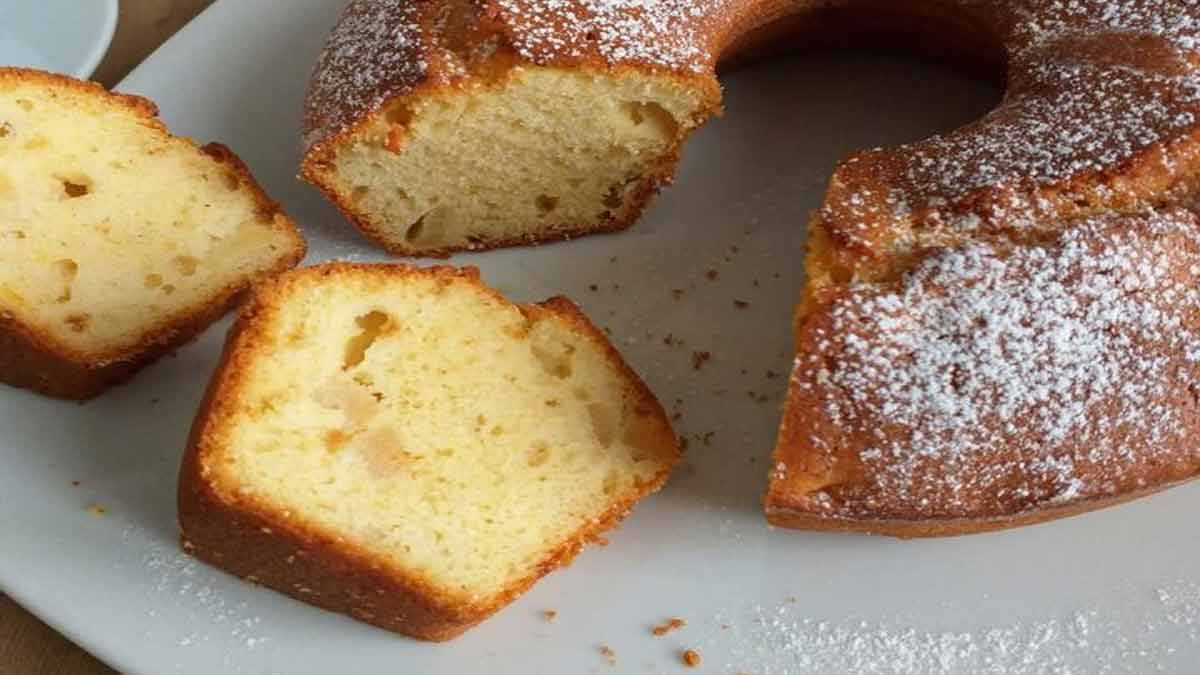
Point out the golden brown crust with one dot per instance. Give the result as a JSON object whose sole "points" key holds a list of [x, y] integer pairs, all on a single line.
{"points": [[32, 358], [254, 541], [800, 519], [143, 107]]}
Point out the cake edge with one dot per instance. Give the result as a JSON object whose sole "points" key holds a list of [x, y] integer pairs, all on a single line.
{"points": [[781, 512]]}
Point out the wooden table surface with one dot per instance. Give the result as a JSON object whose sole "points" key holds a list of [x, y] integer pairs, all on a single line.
{"points": [[27, 646]]}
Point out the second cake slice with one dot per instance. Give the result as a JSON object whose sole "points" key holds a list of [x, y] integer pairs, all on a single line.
{"points": [[408, 447], [118, 240]]}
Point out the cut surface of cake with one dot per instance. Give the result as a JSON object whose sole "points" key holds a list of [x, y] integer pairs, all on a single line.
{"points": [[406, 446], [118, 241]]}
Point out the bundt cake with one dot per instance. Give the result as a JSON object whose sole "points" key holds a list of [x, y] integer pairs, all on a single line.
{"points": [[118, 241], [406, 446], [440, 126]]}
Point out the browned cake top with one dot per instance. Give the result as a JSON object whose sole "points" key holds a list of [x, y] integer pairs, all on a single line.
{"points": [[992, 379], [1100, 112], [381, 49], [373, 54]]}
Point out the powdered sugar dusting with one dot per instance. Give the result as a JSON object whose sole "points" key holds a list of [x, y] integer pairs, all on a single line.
{"points": [[1175, 20], [1081, 117], [783, 640], [1092, 85], [664, 33], [993, 379], [373, 54], [213, 614]]}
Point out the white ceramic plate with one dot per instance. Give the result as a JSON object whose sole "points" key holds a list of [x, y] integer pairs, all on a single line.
{"points": [[1113, 591], [62, 36]]}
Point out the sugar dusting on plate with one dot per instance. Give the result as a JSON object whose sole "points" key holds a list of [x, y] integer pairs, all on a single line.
{"points": [[213, 614], [1137, 634]]}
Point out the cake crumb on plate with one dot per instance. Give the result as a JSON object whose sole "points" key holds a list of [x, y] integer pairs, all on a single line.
{"points": [[674, 623]]}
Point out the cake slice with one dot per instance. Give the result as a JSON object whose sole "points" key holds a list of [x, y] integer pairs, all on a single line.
{"points": [[118, 241], [406, 446], [438, 127]]}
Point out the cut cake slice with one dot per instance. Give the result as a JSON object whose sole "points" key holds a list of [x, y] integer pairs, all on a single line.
{"points": [[118, 241], [406, 446]]}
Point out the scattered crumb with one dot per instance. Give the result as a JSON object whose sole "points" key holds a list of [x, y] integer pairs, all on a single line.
{"points": [[97, 510], [677, 293], [690, 658], [772, 374], [612, 259], [707, 437], [75, 483], [699, 359], [741, 304], [669, 340], [683, 443], [549, 615], [676, 416], [155, 400], [608, 654], [712, 275], [594, 287], [674, 623]]}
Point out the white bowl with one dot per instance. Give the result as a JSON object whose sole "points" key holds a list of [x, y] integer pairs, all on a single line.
{"points": [[61, 36]]}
